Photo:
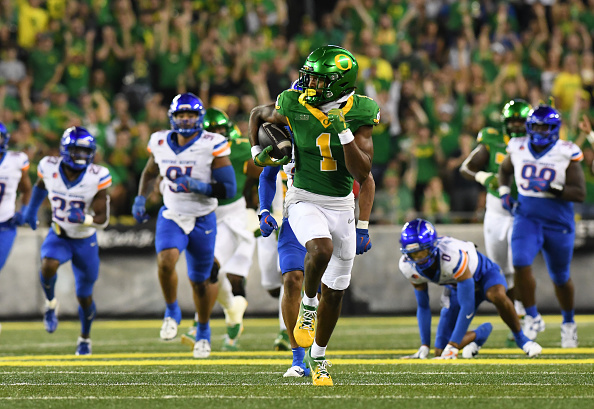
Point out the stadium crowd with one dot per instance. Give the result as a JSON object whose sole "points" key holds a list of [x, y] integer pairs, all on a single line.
{"points": [[439, 70]]}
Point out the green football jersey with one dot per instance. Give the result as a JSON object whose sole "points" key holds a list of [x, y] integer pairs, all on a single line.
{"points": [[240, 154], [495, 142], [320, 166]]}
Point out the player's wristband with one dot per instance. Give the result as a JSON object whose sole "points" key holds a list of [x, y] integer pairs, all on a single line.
{"points": [[362, 224], [346, 136], [590, 137], [262, 211], [482, 177], [256, 149], [504, 190], [88, 220]]}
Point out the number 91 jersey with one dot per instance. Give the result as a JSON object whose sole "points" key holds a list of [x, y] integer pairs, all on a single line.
{"points": [[453, 257], [194, 160], [64, 194]]}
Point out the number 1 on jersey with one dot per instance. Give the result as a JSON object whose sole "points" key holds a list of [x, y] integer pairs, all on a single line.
{"points": [[328, 163]]}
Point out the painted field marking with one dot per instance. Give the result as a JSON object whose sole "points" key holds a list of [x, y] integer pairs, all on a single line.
{"points": [[283, 362]]}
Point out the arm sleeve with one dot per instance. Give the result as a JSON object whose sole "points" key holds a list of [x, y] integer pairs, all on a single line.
{"points": [[225, 185], [465, 290], [267, 186], [424, 316]]}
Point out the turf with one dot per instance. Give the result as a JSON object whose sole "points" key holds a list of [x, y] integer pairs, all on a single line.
{"points": [[131, 368]]}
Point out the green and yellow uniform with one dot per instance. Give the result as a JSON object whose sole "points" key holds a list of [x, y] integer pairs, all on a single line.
{"points": [[495, 142], [319, 157], [240, 155]]}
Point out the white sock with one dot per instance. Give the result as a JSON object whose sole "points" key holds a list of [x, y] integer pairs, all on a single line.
{"points": [[317, 351], [312, 302], [225, 296], [281, 320], [196, 316]]}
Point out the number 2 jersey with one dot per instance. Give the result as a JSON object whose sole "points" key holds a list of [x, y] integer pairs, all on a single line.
{"points": [[64, 194], [550, 164], [453, 256], [12, 166], [193, 159]]}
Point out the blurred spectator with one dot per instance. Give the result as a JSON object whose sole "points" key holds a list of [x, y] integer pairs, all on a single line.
{"points": [[33, 19]]}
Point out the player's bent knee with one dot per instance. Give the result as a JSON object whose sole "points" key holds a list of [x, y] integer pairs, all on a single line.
{"points": [[560, 280], [274, 292]]}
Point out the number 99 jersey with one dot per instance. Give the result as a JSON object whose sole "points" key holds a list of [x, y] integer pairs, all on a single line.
{"points": [[550, 165], [194, 160], [64, 194]]}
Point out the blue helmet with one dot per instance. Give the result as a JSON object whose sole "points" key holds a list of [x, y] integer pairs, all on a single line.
{"points": [[187, 102], [543, 115], [418, 235], [4, 137], [77, 148]]}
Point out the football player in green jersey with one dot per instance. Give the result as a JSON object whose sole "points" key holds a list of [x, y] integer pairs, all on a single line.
{"points": [[332, 144], [482, 165], [235, 243]]}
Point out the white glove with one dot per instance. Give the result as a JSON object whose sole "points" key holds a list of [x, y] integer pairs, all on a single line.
{"points": [[449, 352], [422, 353]]}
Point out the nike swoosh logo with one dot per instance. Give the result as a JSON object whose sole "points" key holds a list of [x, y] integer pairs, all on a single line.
{"points": [[93, 244], [90, 317], [207, 231], [469, 316], [351, 220]]}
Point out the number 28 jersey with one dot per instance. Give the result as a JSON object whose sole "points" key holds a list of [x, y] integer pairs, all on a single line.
{"points": [[64, 194], [453, 256], [193, 159]]}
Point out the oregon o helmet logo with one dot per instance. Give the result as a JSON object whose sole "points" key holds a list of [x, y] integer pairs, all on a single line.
{"points": [[340, 59]]}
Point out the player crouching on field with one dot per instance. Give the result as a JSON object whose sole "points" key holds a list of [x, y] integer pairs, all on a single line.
{"points": [[427, 258]]}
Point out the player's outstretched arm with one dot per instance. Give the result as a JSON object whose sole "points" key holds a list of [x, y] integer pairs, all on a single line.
{"points": [[575, 184], [149, 175], [357, 146], [506, 172], [366, 197], [38, 196], [473, 165]]}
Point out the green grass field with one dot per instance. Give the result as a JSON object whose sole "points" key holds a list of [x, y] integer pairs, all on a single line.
{"points": [[132, 368]]}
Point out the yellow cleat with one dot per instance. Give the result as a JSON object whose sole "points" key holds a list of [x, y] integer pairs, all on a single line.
{"points": [[319, 369], [305, 328]]}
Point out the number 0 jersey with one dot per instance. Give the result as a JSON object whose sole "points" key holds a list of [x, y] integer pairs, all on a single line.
{"points": [[550, 164], [453, 256], [193, 159], [12, 166], [320, 166], [64, 194]]}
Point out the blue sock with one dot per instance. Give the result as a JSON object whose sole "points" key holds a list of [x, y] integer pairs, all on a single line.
{"points": [[48, 286], [86, 316], [520, 338], [532, 311], [298, 355], [203, 331], [567, 315], [482, 333], [173, 311]]}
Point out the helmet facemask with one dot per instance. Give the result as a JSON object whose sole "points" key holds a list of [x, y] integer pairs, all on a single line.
{"points": [[329, 73]]}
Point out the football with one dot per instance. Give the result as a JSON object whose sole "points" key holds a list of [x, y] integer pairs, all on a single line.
{"points": [[277, 137]]}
